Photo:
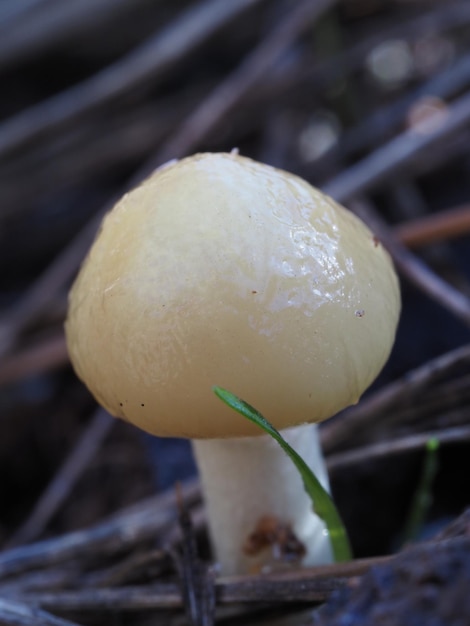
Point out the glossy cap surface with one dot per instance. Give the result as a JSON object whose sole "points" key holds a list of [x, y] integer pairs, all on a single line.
{"points": [[219, 270]]}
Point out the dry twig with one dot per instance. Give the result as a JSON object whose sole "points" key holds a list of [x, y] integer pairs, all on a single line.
{"points": [[147, 63], [64, 480], [197, 582], [233, 90], [14, 613], [391, 447], [394, 156], [302, 585], [138, 524], [35, 358], [335, 433], [434, 228]]}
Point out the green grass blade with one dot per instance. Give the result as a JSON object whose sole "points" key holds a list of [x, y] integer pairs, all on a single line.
{"points": [[422, 498], [322, 503]]}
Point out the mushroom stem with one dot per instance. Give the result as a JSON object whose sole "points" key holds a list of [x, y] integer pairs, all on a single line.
{"points": [[260, 516]]}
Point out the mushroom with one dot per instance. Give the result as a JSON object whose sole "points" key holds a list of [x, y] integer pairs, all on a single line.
{"points": [[218, 270]]}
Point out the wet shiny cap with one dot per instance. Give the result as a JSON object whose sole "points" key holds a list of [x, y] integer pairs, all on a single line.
{"points": [[219, 270]]}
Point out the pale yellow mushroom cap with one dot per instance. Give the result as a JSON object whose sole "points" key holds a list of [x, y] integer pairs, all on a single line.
{"points": [[219, 270]]}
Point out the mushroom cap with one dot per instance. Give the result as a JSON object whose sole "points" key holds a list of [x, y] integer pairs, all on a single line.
{"points": [[218, 270]]}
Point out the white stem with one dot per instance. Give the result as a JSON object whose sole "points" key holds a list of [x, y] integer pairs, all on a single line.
{"points": [[248, 478]]}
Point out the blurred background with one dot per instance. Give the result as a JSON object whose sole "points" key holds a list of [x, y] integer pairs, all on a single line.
{"points": [[367, 99]]}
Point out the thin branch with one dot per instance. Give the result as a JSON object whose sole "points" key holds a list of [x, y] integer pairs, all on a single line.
{"points": [[131, 598], [11, 11], [384, 122], [14, 613], [300, 585], [449, 397], [139, 523], [148, 62], [335, 432], [197, 582], [34, 301], [40, 27], [233, 89], [364, 454], [78, 156], [302, 74], [397, 154], [65, 479], [36, 358], [155, 561], [435, 227]]}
